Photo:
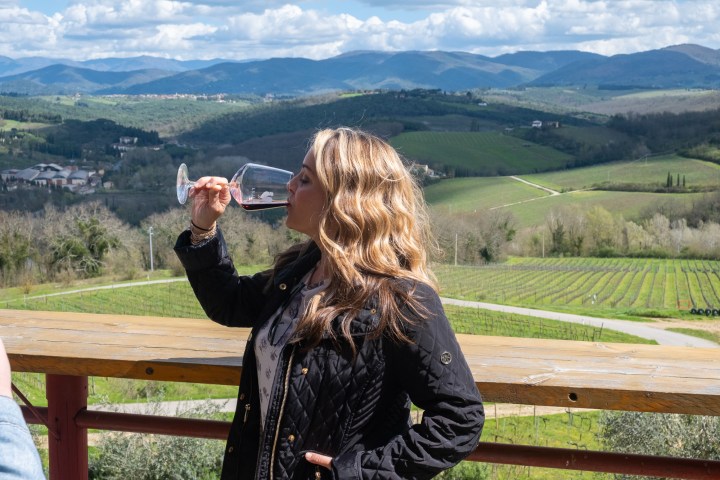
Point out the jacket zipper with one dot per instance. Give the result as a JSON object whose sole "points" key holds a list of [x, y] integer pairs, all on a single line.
{"points": [[250, 392], [286, 384]]}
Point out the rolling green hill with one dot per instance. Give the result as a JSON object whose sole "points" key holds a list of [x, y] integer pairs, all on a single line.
{"points": [[628, 204], [476, 194], [530, 205], [479, 153], [651, 171]]}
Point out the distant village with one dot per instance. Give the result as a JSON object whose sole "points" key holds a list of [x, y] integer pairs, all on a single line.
{"points": [[67, 177], [51, 175]]}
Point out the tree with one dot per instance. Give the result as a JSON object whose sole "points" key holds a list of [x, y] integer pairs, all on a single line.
{"points": [[601, 230], [84, 251], [567, 230], [18, 251], [497, 227], [83, 239]]}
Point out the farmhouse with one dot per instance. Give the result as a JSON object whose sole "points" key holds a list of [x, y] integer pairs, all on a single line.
{"points": [[53, 175], [423, 170]]}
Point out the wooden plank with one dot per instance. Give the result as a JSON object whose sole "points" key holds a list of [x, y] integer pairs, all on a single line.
{"points": [[595, 375], [147, 348], [510, 370]]}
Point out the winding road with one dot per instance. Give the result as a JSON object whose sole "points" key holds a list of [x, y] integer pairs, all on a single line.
{"points": [[644, 330]]}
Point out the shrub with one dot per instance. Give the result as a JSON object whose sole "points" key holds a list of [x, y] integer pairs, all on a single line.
{"points": [[120, 455], [692, 436]]}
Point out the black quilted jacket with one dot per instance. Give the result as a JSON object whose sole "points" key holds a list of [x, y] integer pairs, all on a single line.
{"points": [[357, 411]]}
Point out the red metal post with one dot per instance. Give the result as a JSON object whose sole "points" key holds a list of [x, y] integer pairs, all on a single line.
{"points": [[66, 396]]}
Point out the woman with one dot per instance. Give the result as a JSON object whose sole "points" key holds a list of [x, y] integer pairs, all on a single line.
{"points": [[347, 328]]}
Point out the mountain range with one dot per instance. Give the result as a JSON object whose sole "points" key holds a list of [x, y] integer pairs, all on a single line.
{"points": [[678, 66]]}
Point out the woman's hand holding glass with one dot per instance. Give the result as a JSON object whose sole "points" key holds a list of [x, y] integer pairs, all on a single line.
{"points": [[211, 195]]}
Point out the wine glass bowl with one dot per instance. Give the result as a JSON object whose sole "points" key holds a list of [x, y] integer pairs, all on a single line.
{"points": [[259, 187], [254, 186]]}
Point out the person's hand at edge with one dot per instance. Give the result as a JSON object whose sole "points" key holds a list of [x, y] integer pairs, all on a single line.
{"points": [[5, 377]]}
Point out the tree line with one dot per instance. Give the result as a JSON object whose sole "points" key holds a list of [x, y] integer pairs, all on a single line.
{"points": [[89, 240]]}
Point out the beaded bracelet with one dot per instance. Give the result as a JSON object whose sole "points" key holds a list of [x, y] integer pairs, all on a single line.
{"points": [[200, 237]]}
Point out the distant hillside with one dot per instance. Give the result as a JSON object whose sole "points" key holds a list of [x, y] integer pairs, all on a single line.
{"points": [[9, 66], [545, 61], [62, 79], [678, 66], [371, 70], [684, 66]]}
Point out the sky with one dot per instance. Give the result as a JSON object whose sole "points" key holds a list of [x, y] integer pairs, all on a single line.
{"points": [[317, 29]]}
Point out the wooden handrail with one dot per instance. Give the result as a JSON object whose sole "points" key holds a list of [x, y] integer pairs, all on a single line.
{"points": [[648, 378]]}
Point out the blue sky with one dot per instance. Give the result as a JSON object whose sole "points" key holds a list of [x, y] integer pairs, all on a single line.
{"points": [[252, 29]]}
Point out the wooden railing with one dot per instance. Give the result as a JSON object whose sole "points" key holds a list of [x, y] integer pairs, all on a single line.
{"points": [[70, 347]]}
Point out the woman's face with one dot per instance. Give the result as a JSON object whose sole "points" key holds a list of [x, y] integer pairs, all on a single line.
{"points": [[306, 200]]}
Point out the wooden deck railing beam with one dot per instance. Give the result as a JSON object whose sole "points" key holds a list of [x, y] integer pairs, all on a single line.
{"points": [[626, 377]]}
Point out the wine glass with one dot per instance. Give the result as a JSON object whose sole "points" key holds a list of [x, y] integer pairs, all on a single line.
{"points": [[259, 187], [254, 186]]}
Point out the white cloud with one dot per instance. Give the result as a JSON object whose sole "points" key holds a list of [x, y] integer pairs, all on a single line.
{"points": [[266, 28]]}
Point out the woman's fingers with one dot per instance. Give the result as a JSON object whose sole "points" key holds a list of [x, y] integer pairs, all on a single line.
{"points": [[210, 183], [319, 459]]}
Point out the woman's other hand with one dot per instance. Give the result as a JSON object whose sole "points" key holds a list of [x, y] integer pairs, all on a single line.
{"points": [[210, 197], [319, 459]]}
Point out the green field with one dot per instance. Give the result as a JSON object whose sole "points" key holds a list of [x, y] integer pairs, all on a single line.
{"points": [[651, 171], [604, 287], [475, 194], [628, 204], [483, 153], [530, 206], [10, 124]]}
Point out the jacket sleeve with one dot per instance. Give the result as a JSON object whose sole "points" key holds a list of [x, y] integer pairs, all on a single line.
{"points": [[19, 460], [438, 380], [226, 297]]}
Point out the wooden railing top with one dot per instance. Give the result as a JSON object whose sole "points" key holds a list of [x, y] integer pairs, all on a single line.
{"points": [[124, 346], [513, 370]]}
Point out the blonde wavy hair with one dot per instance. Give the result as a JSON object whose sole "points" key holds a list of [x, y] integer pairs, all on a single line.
{"points": [[374, 230]]}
